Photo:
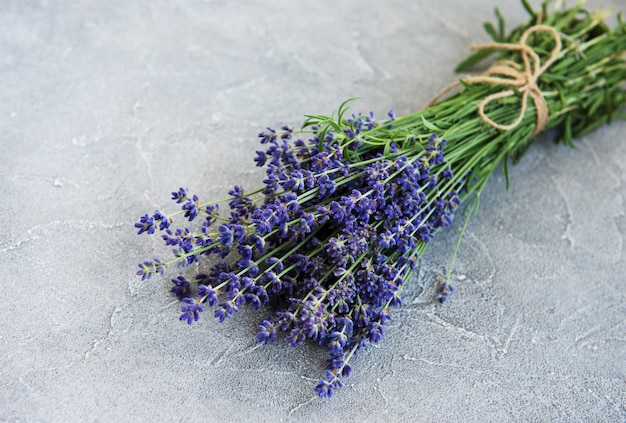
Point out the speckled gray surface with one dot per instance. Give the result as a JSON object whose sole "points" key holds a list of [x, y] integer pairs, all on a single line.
{"points": [[107, 106]]}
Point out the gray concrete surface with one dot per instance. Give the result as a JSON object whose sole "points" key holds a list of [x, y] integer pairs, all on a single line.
{"points": [[107, 106]]}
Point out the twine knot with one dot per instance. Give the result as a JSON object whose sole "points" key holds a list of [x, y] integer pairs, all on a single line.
{"points": [[515, 76], [512, 74]]}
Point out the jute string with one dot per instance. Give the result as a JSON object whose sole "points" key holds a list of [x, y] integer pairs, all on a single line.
{"points": [[512, 74]]}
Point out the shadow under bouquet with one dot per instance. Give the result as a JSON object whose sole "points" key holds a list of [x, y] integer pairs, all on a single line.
{"points": [[350, 203]]}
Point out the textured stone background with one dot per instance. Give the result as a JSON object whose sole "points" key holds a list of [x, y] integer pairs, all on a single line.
{"points": [[107, 106]]}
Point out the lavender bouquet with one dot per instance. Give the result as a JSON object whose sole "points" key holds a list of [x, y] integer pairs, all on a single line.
{"points": [[350, 203]]}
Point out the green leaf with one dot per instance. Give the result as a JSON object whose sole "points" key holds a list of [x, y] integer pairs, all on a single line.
{"points": [[387, 149], [567, 133], [491, 30], [501, 25], [568, 17], [344, 108], [473, 60], [505, 171], [430, 126], [519, 153], [351, 155], [311, 120], [529, 9], [598, 102], [544, 9], [609, 105]]}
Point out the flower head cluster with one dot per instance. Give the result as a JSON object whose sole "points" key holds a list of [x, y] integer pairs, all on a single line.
{"points": [[326, 244]]}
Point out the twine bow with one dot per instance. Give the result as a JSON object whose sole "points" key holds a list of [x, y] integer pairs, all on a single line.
{"points": [[513, 75]]}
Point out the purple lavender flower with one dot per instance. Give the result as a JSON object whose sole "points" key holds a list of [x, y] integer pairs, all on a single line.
{"points": [[226, 235], [180, 195], [181, 288], [267, 136], [145, 224], [191, 310], [225, 310], [267, 332], [207, 295], [163, 219], [327, 386], [191, 208], [444, 292], [148, 268]]}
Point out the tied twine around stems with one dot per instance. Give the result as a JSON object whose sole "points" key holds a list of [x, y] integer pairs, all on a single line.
{"points": [[513, 75]]}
